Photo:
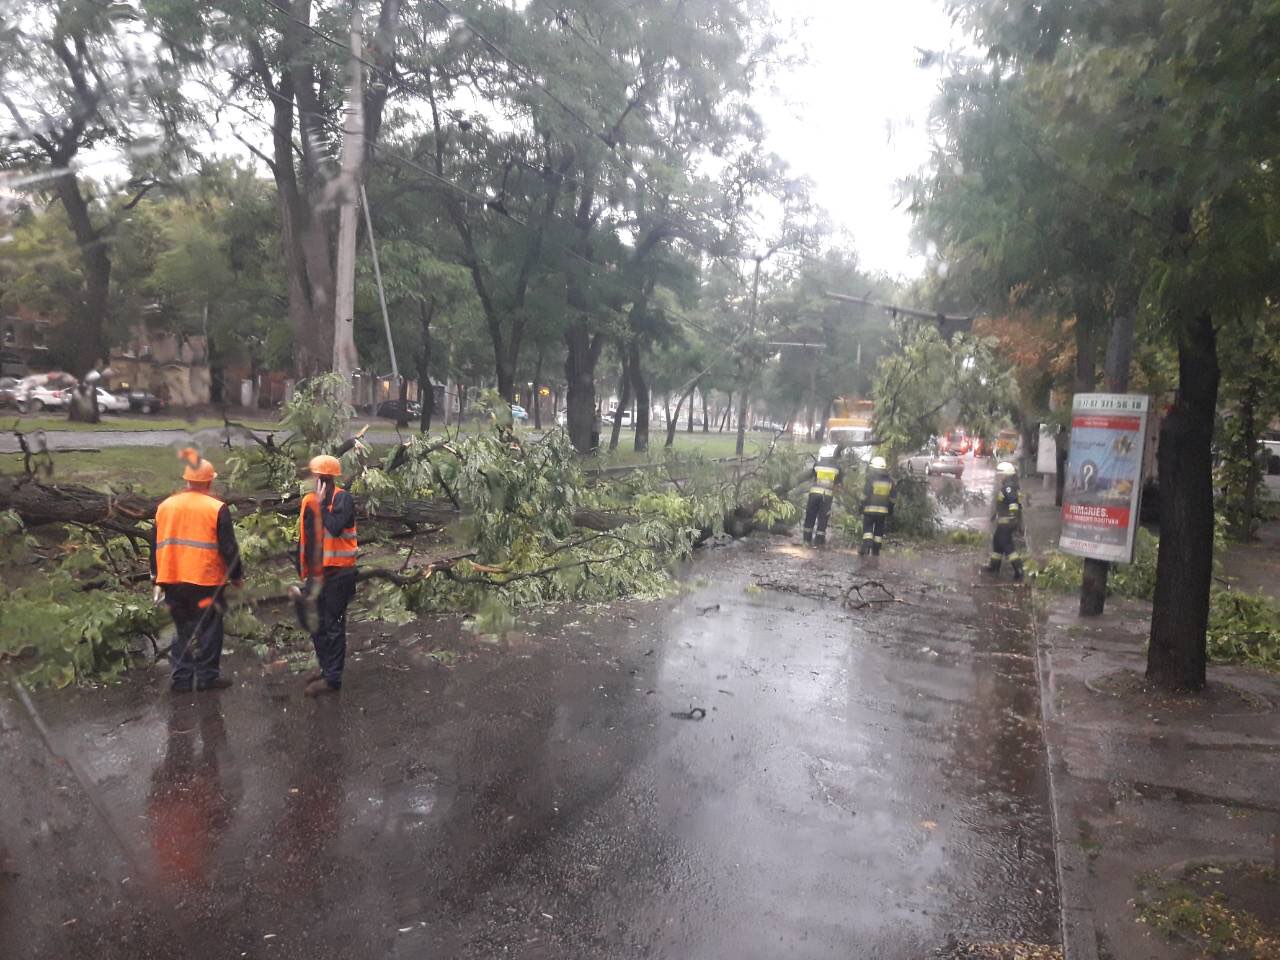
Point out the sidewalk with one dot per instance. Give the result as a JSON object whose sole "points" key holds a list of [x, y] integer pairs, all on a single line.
{"points": [[1166, 810]]}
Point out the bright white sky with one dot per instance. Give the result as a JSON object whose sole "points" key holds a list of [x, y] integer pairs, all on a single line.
{"points": [[854, 118]]}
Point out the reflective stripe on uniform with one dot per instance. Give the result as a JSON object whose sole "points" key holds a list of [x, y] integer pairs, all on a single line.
{"points": [[181, 542], [875, 508], [339, 551], [187, 540]]}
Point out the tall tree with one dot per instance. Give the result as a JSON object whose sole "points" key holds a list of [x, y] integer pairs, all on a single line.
{"points": [[87, 74], [1151, 113]]}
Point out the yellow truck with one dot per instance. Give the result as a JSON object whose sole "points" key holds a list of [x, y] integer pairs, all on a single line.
{"points": [[850, 425]]}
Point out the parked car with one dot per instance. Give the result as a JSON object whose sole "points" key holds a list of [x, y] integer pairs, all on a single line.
{"points": [[112, 402], [607, 419], [8, 391], [391, 409], [948, 463], [917, 464], [32, 398], [143, 401], [519, 413]]}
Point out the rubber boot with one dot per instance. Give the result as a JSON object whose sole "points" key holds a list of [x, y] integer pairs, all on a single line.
{"points": [[1017, 570], [808, 537], [994, 567], [864, 548], [875, 549]]}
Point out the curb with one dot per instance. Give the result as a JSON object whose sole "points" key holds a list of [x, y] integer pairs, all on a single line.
{"points": [[1079, 929]]}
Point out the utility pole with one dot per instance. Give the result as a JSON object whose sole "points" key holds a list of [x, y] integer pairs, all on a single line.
{"points": [[1093, 581], [345, 358], [746, 369]]}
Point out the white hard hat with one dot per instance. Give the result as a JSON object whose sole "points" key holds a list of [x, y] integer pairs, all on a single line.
{"points": [[827, 451], [1006, 468], [878, 463]]}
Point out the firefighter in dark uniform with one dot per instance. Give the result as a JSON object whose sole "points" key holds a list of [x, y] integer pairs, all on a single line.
{"points": [[827, 475], [194, 556], [877, 505], [1008, 520], [327, 549]]}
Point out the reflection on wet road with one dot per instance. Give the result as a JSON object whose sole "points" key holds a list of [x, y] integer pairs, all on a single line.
{"points": [[864, 784]]}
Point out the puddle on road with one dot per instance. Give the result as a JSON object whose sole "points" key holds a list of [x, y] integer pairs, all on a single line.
{"points": [[871, 777]]}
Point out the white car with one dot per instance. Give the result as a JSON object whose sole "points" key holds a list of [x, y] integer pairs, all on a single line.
{"points": [[33, 399], [111, 402], [607, 419]]}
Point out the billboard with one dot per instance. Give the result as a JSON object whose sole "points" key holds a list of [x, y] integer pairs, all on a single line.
{"points": [[1104, 475]]}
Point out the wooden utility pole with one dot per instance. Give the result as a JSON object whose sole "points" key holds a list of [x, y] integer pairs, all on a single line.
{"points": [[345, 358]]}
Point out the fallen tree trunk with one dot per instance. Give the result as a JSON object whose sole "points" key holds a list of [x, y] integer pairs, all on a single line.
{"points": [[41, 504]]}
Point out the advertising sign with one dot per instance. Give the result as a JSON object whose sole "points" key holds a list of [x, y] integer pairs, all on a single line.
{"points": [[1104, 475]]}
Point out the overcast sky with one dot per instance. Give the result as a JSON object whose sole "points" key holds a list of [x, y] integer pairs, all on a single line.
{"points": [[854, 118]]}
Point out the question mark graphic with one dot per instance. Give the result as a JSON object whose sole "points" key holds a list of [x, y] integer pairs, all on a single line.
{"points": [[1088, 471]]}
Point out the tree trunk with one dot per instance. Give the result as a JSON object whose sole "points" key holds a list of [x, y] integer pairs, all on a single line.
{"points": [[728, 407], [673, 422], [89, 347], [535, 394], [742, 420], [624, 400], [1248, 453], [426, 392], [402, 414], [580, 395], [1176, 657], [641, 390]]}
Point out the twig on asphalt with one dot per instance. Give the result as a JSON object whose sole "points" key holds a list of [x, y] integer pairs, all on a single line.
{"points": [[885, 595]]}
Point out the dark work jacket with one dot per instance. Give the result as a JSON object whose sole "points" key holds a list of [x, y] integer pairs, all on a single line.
{"points": [[338, 513], [877, 494]]}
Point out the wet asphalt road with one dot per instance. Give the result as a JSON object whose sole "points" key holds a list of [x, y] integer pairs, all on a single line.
{"points": [[865, 784]]}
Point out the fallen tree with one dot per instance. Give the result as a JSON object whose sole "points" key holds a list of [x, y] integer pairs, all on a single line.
{"points": [[485, 524]]}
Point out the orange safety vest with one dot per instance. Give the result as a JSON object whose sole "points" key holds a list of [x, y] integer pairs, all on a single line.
{"points": [[187, 540], [339, 551]]}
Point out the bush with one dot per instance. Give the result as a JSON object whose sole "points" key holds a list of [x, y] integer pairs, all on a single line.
{"points": [[1061, 572], [1244, 628]]}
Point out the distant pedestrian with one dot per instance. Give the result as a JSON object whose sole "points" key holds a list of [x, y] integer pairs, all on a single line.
{"points": [[327, 550], [194, 556], [1008, 520], [877, 505], [826, 475]]}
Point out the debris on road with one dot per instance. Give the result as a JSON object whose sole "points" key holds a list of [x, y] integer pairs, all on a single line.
{"points": [[693, 713]]}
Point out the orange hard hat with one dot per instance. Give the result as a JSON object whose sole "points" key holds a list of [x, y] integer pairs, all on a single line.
{"points": [[325, 466], [197, 470]]}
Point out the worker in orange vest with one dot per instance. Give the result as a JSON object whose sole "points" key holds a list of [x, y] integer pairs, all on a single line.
{"points": [[194, 556], [327, 564]]}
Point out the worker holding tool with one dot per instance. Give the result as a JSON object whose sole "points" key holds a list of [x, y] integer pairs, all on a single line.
{"points": [[327, 549], [877, 505], [1008, 520], [827, 475], [194, 556]]}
